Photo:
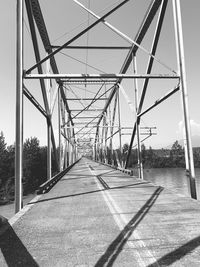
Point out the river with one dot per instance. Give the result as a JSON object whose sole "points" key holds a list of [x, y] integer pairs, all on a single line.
{"points": [[172, 178]]}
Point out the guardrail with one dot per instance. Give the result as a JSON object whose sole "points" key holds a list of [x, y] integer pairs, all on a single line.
{"points": [[130, 172], [46, 187]]}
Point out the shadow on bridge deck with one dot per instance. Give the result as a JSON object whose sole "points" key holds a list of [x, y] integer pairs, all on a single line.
{"points": [[97, 216], [13, 250]]}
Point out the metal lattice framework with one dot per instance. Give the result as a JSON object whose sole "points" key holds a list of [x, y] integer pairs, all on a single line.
{"points": [[89, 121]]}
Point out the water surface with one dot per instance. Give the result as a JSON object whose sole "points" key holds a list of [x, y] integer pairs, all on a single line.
{"points": [[172, 178]]}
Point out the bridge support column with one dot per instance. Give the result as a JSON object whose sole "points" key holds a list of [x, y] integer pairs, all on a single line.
{"points": [[184, 93], [140, 167], [73, 154], [48, 149], [59, 130], [120, 134], [93, 152], [66, 161], [19, 109]]}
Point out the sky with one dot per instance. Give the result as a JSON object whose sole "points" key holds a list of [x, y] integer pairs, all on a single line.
{"points": [[62, 20]]}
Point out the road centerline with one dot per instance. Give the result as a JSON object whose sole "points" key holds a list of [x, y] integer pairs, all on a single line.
{"points": [[121, 221]]}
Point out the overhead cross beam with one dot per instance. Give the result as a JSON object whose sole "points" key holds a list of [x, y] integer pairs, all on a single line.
{"points": [[101, 76], [93, 47], [53, 53]]}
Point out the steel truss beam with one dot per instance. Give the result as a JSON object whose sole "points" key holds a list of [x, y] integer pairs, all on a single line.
{"points": [[149, 68], [93, 101], [83, 123], [87, 117], [87, 99], [76, 37], [103, 124], [34, 101], [34, 8], [30, 9], [87, 82], [100, 76], [46, 42], [122, 35], [92, 110], [93, 47], [77, 127], [159, 101], [150, 14]]}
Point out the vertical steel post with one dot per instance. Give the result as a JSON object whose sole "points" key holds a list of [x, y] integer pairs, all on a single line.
{"points": [[102, 140], [93, 152], [184, 93], [48, 88], [112, 127], [98, 146], [73, 143], [74, 152], [69, 145], [185, 153], [19, 108], [66, 154], [140, 167], [105, 136], [73, 148], [48, 149], [59, 129], [120, 134]]}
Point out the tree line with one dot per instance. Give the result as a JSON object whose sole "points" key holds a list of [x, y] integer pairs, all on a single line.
{"points": [[173, 157], [35, 162], [34, 167]]}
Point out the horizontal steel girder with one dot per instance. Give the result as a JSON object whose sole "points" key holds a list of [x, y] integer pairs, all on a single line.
{"points": [[100, 76], [92, 110], [84, 99], [94, 47], [88, 82]]}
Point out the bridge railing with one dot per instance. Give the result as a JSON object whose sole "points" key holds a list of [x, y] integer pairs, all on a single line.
{"points": [[127, 171], [46, 187]]}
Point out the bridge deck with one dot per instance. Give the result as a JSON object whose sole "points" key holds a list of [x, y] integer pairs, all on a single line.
{"points": [[97, 216]]}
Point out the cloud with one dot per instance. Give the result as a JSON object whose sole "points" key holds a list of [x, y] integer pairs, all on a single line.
{"points": [[195, 128]]}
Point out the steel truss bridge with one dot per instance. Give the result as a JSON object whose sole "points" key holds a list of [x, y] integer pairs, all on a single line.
{"points": [[89, 114]]}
